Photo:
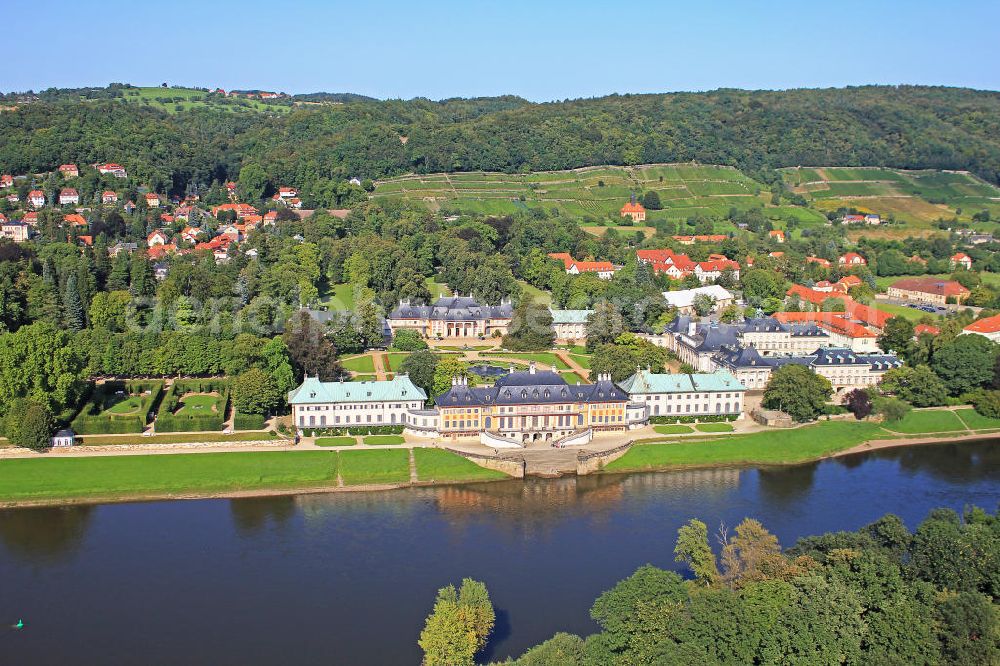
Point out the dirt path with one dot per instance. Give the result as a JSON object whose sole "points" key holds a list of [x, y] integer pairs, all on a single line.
{"points": [[379, 360]]}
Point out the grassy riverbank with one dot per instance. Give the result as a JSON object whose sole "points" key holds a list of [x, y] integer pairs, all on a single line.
{"points": [[771, 447], [53, 480]]}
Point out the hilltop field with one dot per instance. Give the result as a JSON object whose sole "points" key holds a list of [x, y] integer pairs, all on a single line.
{"points": [[176, 100], [595, 194]]}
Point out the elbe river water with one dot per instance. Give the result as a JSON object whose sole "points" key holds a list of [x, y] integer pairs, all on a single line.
{"points": [[348, 578]]}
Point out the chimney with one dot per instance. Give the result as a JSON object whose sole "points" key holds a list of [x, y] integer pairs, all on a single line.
{"points": [[692, 329], [531, 368], [555, 369], [510, 369]]}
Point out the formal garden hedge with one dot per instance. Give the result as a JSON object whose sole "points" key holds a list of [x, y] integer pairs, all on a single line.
{"points": [[704, 418], [243, 421], [354, 430], [97, 417], [169, 420]]}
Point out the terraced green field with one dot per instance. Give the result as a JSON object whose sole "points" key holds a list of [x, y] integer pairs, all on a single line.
{"points": [[594, 193], [173, 100]]}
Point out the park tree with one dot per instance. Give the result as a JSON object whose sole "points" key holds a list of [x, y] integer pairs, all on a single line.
{"points": [[693, 549], [256, 392], [29, 424], [447, 368], [408, 340], [797, 391], [252, 182], [747, 555], [897, 336], [651, 200], [703, 304], [40, 362], [604, 324], [918, 386], [625, 355], [73, 315], [530, 327], [760, 285], [420, 367], [369, 324], [858, 403], [966, 363], [311, 352], [892, 410], [109, 310], [458, 626]]}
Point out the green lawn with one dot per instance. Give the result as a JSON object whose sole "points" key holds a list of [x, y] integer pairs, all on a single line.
{"points": [[375, 440], [130, 405], [395, 359], [582, 361], [440, 465], [927, 421], [382, 466], [714, 427], [437, 289], [574, 377], [905, 312], [104, 440], [362, 364], [537, 295], [540, 358], [975, 420], [673, 429], [336, 441], [120, 476], [363, 378], [777, 446], [340, 298], [195, 404]]}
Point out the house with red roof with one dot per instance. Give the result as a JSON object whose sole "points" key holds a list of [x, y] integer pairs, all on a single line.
{"points": [[925, 329], [851, 259], [152, 199], [603, 269], [231, 189], [635, 210], [116, 170], [75, 220], [960, 260], [219, 246], [129, 206], [109, 197], [191, 234], [157, 237], [6, 180], [777, 235], [68, 197], [927, 290], [85, 241], [294, 202], [31, 217], [703, 238], [287, 192], [825, 263], [166, 218], [270, 218], [36, 198], [988, 328], [843, 332], [69, 171], [13, 198], [853, 219]]}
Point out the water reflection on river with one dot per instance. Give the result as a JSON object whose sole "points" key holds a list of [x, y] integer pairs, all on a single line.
{"points": [[348, 578]]}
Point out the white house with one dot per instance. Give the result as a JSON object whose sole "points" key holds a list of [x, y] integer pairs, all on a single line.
{"points": [[317, 404], [683, 299]]}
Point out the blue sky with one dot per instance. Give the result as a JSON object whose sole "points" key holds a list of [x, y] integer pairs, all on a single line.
{"points": [[539, 50]]}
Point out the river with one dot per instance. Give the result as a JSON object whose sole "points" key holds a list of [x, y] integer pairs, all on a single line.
{"points": [[348, 578]]}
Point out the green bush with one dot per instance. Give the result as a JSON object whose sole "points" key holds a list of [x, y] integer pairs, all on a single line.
{"points": [[248, 421], [168, 421], [92, 419]]}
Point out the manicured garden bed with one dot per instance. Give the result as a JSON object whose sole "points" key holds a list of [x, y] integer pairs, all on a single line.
{"points": [[377, 440], [336, 441], [714, 427], [105, 440], [673, 429]]}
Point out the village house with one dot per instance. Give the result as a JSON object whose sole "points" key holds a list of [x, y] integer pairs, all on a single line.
{"points": [[14, 231], [152, 200], [69, 171], [989, 328], [704, 238], [160, 270], [13, 198], [842, 331], [777, 235], [603, 269], [270, 218], [157, 237], [678, 266], [960, 260], [683, 300], [85, 241], [230, 190], [818, 260], [75, 220], [872, 219], [853, 218], [925, 329], [714, 394], [570, 326], [287, 192], [116, 170], [122, 246], [851, 259], [317, 404], [634, 210], [928, 290], [109, 197], [129, 207], [452, 317], [6, 180], [30, 218], [36, 198], [191, 234], [68, 197]]}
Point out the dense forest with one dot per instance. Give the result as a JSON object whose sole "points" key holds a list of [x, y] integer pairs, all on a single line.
{"points": [[322, 142]]}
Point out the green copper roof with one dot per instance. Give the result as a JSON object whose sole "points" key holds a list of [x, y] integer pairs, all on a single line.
{"points": [[648, 382], [312, 391], [570, 316]]}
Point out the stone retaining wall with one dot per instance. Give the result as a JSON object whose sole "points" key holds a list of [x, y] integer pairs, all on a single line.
{"points": [[594, 461], [508, 465]]}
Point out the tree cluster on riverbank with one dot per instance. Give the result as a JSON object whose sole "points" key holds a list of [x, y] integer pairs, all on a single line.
{"points": [[879, 595]]}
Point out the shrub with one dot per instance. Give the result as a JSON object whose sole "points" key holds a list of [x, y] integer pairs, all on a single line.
{"points": [[248, 421], [892, 409], [987, 403], [406, 340]]}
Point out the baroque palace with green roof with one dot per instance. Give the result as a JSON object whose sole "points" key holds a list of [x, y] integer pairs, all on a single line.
{"points": [[519, 408]]}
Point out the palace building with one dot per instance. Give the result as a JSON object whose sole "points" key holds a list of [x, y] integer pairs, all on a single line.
{"points": [[317, 404], [452, 317], [717, 393]]}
